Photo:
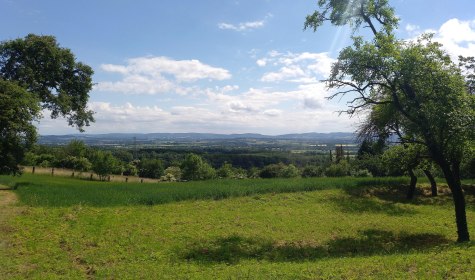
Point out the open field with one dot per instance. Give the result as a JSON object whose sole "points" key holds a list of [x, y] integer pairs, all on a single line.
{"points": [[241, 229], [63, 172]]}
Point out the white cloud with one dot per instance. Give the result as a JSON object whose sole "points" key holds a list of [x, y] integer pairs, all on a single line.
{"points": [[152, 75], [272, 112], [457, 36], [284, 73], [296, 67], [261, 62], [221, 110], [412, 29], [244, 26]]}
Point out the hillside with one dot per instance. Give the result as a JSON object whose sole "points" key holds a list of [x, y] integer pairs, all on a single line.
{"points": [[253, 229]]}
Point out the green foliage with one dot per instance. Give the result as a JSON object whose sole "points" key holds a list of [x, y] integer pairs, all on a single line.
{"points": [[225, 171], [411, 88], [279, 170], [150, 168], [341, 169], [361, 173], [467, 65], [129, 169], [371, 148], [172, 174], [195, 168], [75, 163], [310, 171], [373, 163], [399, 158], [35, 73], [75, 148], [104, 164], [18, 109], [123, 155], [353, 13], [50, 73], [290, 171], [467, 168]]}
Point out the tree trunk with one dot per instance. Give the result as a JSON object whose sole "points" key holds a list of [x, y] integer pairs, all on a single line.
{"points": [[433, 184], [412, 185], [453, 180]]}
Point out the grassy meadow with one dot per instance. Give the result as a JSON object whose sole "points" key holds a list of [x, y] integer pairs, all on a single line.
{"points": [[230, 229]]}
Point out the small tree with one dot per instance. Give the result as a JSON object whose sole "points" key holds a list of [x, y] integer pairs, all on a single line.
{"points": [[104, 164]]}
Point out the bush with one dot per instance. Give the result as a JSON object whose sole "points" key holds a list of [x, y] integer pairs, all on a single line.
{"points": [[312, 171], [195, 168], [150, 168], [361, 173], [340, 169], [129, 169], [225, 171], [279, 170], [290, 171], [172, 172]]}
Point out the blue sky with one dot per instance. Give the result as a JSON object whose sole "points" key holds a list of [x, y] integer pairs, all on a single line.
{"points": [[214, 66]]}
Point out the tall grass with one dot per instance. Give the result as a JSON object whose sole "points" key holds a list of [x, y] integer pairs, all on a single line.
{"points": [[43, 190]]}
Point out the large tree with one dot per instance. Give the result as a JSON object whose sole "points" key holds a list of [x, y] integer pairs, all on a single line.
{"points": [[18, 109], [416, 80], [48, 77]]}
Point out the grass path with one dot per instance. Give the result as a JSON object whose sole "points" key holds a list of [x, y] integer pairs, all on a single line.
{"points": [[7, 200]]}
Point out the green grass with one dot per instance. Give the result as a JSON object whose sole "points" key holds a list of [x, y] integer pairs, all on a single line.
{"points": [[265, 229], [44, 190]]}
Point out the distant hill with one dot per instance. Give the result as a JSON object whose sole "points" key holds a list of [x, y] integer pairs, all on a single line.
{"points": [[122, 138]]}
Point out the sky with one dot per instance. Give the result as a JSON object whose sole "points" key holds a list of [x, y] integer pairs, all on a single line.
{"points": [[214, 66]]}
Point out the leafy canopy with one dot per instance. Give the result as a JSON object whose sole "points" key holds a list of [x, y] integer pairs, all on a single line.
{"points": [[17, 133], [49, 72]]}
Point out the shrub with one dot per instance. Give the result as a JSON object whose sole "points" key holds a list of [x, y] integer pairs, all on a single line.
{"points": [[150, 168], [279, 170], [195, 168], [312, 171], [338, 170]]}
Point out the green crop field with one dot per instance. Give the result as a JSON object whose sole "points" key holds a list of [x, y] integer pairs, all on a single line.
{"points": [[230, 229]]}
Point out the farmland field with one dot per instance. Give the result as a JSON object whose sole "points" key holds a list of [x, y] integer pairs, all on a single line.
{"points": [[229, 229]]}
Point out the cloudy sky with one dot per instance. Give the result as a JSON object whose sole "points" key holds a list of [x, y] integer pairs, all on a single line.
{"points": [[214, 65]]}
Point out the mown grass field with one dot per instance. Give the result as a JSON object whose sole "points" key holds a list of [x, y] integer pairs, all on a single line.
{"points": [[241, 229]]}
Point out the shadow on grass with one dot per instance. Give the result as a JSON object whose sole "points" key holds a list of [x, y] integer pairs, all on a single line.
{"points": [[370, 242], [351, 204], [397, 194]]}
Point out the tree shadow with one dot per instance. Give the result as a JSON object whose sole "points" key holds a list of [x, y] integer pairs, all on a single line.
{"points": [[235, 248], [397, 194], [359, 201], [16, 185]]}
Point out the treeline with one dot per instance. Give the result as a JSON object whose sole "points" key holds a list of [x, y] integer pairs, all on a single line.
{"points": [[372, 159]]}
